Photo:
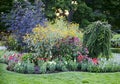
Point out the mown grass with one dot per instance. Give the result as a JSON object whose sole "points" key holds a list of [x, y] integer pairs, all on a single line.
{"points": [[7, 77]]}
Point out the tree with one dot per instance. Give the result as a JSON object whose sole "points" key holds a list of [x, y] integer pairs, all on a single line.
{"points": [[106, 10], [23, 17], [5, 6], [78, 11], [97, 38]]}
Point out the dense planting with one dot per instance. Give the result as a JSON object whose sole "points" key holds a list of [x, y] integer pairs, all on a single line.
{"points": [[43, 46]]}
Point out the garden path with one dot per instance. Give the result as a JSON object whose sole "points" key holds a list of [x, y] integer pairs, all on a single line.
{"points": [[2, 48], [116, 56]]}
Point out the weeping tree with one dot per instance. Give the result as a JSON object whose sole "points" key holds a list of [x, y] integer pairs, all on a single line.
{"points": [[97, 39]]}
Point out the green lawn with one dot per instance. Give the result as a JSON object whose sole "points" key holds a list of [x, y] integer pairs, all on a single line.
{"points": [[7, 77]]}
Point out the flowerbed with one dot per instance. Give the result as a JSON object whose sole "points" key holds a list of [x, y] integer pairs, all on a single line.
{"points": [[22, 63]]}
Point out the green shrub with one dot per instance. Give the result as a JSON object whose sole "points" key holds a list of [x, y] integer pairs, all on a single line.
{"points": [[51, 66], [40, 62], [12, 44], [11, 66], [24, 67], [97, 38], [43, 68], [30, 68], [20, 68], [61, 65], [72, 65], [27, 56], [84, 66]]}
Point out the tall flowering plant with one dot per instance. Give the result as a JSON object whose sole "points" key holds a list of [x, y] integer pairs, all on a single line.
{"points": [[23, 17]]}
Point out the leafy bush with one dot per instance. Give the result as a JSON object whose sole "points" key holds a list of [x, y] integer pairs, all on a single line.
{"points": [[20, 67], [72, 65], [51, 66], [43, 68], [30, 68], [27, 56], [12, 44], [23, 17], [97, 38], [61, 65]]}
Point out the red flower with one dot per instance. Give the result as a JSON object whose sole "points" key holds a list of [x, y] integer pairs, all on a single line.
{"points": [[40, 58], [80, 58], [95, 60]]}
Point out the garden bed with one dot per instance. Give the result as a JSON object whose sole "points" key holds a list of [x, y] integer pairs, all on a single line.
{"points": [[85, 64]]}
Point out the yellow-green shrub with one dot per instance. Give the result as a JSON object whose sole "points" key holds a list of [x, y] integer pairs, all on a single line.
{"points": [[42, 39]]}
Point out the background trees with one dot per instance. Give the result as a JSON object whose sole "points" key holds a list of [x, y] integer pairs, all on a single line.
{"points": [[80, 11]]}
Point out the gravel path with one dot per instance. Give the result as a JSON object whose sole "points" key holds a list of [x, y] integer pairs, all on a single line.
{"points": [[2, 48], [116, 56]]}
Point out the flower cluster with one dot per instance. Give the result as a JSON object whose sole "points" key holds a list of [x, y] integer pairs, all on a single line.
{"points": [[82, 58], [15, 57]]}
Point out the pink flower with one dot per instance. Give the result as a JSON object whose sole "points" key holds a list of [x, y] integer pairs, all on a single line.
{"points": [[10, 58]]}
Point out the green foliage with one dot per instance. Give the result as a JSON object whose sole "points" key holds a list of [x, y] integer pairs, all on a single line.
{"points": [[106, 10], [40, 62], [97, 38], [24, 67], [61, 65], [72, 65], [20, 68], [5, 6], [83, 15], [27, 56], [43, 68], [51, 66], [30, 68], [12, 44], [79, 12]]}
